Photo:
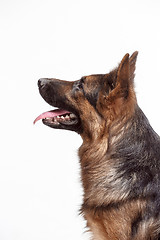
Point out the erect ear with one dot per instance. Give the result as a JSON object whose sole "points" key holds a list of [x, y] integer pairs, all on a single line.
{"points": [[123, 73], [120, 80], [126, 69], [120, 98], [119, 85], [132, 65]]}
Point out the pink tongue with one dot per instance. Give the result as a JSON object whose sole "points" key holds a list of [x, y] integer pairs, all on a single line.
{"points": [[51, 114]]}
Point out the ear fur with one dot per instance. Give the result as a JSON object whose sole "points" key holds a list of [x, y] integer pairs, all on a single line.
{"points": [[126, 69], [123, 76], [121, 99], [132, 64], [123, 72]]}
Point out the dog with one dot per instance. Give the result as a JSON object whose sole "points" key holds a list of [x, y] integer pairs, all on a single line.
{"points": [[120, 154]]}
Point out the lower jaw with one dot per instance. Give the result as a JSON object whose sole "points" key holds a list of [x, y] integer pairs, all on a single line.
{"points": [[76, 126]]}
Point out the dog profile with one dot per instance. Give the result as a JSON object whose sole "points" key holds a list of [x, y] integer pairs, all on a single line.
{"points": [[120, 153]]}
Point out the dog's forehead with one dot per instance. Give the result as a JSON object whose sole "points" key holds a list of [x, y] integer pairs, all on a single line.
{"points": [[93, 77]]}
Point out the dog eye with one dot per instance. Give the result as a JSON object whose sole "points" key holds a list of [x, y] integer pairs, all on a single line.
{"points": [[79, 85]]}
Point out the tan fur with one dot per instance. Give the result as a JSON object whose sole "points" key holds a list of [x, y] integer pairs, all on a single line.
{"points": [[113, 223]]}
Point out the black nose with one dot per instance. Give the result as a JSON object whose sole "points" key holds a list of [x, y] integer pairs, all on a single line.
{"points": [[42, 82]]}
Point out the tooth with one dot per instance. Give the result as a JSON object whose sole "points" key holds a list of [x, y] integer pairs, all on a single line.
{"points": [[58, 116], [62, 117], [72, 115]]}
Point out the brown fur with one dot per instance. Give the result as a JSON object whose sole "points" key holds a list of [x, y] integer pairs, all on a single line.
{"points": [[113, 223]]}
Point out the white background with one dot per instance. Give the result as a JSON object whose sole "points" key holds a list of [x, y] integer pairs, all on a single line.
{"points": [[40, 191]]}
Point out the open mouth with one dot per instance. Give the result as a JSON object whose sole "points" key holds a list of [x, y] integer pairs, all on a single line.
{"points": [[59, 118]]}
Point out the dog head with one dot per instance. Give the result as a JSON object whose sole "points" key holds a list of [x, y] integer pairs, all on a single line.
{"points": [[90, 104]]}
